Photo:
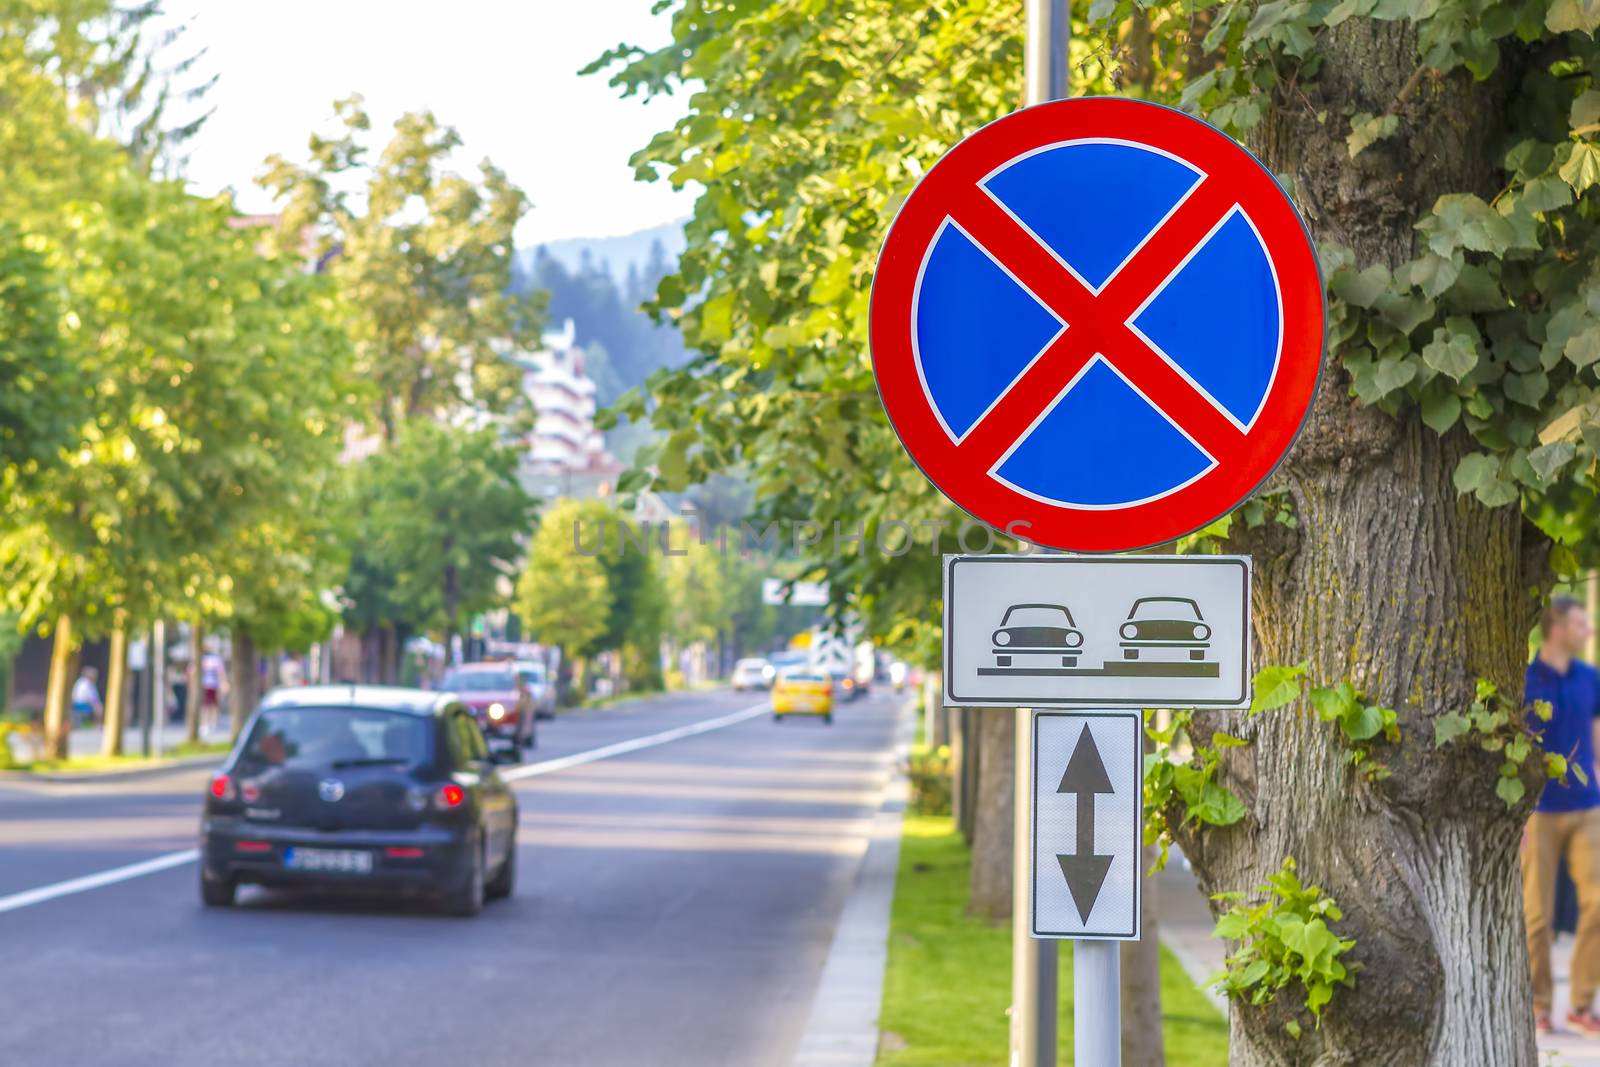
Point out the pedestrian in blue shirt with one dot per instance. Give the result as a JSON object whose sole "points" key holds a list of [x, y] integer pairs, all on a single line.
{"points": [[1566, 822]]}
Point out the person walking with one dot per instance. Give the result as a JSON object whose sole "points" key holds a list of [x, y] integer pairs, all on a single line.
{"points": [[86, 705], [1566, 822]]}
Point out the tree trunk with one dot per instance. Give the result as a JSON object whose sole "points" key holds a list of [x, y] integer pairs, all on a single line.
{"points": [[197, 653], [58, 690], [246, 669], [967, 767], [116, 693], [1392, 581], [989, 890], [1142, 1042]]}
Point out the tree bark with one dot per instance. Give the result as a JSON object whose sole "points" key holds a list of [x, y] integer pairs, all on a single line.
{"points": [[1143, 1044], [989, 890], [1392, 581], [116, 693], [58, 690], [196, 696], [245, 670]]}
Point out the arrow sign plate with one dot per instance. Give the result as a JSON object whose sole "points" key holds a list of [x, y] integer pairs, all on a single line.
{"points": [[1088, 786]]}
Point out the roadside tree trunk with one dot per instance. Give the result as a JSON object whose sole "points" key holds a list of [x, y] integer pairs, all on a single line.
{"points": [[245, 671], [989, 890], [1392, 581], [1143, 1044], [116, 693], [196, 696], [58, 690]]}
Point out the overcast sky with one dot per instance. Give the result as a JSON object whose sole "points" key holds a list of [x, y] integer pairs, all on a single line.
{"points": [[503, 73]]}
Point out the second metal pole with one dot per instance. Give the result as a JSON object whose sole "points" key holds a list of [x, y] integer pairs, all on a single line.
{"points": [[1034, 963], [1097, 1003]]}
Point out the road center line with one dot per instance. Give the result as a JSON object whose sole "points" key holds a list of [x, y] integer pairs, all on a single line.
{"points": [[189, 855], [677, 733], [95, 881]]}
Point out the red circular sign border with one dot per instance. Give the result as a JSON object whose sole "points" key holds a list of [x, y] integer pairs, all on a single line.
{"points": [[1288, 244]]}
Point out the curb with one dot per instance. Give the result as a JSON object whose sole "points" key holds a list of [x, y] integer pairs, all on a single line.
{"points": [[143, 770], [842, 1029]]}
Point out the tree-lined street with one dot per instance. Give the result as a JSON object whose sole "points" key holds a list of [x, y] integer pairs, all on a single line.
{"points": [[676, 906]]}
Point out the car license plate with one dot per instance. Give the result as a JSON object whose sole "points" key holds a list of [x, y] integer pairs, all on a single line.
{"points": [[342, 861]]}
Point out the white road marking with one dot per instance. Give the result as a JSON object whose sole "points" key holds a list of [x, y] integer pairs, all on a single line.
{"points": [[189, 855], [677, 733], [95, 881]]}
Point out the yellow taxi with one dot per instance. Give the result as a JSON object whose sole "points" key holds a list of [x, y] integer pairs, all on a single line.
{"points": [[799, 691]]}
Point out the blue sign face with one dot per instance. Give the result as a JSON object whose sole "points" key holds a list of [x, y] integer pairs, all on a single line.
{"points": [[1110, 438]]}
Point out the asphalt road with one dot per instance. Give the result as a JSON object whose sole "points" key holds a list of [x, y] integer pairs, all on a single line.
{"points": [[675, 906]]}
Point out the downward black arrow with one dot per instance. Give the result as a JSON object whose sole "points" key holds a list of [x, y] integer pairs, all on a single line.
{"points": [[1085, 777]]}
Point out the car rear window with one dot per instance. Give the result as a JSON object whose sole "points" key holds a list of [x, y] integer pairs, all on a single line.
{"points": [[804, 676], [326, 737], [478, 681]]}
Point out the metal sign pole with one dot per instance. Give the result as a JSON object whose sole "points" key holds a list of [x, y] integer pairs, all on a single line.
{"points": [[1035, 963]]}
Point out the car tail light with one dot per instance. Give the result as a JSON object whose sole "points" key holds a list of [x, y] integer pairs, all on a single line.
{"points": [[222, 787], [251, 846], [403, 852], [449, 796]]}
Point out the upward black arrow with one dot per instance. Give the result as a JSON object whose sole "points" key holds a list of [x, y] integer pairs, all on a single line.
{"points": [[1085, 777]]}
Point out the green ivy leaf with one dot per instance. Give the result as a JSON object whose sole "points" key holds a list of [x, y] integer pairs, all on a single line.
{"points": [[1567, 15], [1454, 348], [1391, 374], [1583, 168], [1547, 460], [1365, 129], [1545, 194], [1448, 727], [1361, 289], [1273, 687], [1462, 220], [1475, 470], [1440, 411], [1583, 348], [1510, 790]]}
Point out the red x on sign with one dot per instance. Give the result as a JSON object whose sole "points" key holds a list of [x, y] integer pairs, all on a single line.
{"points": [[1097, 323]]}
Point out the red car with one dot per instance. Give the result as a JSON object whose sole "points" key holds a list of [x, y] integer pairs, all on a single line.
{"points": [[489, 690]]}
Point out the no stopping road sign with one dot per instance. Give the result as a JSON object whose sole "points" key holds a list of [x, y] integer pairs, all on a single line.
{"points": [[1097, 323]]}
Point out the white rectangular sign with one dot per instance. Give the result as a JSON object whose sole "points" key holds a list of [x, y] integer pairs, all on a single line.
{"points": [[1097, 631], [1088, 813]]}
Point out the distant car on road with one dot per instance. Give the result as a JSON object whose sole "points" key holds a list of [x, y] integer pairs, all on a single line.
{"points": [[1036, 631], [360, 787], [538, 682], [1158, 623], [802, 691], [490, 691], [752, 673]]}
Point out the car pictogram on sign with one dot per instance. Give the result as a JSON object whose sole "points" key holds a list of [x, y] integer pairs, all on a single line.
{"points": [[1038, 633], [1097, 324], [1159, 624]]}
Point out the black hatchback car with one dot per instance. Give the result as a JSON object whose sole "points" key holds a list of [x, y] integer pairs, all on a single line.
{"points": [[361, 787]]}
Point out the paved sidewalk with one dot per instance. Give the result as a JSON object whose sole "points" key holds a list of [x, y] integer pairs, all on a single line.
{"points": [[842, 1029], [86, 740], [1186, 931]]}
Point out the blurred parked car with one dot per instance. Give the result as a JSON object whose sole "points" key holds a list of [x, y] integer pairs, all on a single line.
{"points": [[489, 690], [538, 683], [799, 691], [753, 673], [360, 787]]}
